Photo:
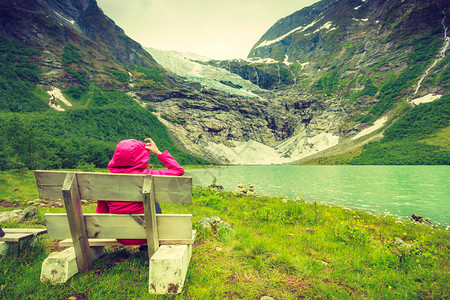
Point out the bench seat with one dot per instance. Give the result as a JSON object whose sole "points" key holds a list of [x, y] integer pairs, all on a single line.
{"points": [[114, 242]]}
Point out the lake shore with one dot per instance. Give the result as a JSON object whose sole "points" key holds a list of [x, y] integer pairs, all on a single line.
{"points": [[279, 248], [400, 191]]}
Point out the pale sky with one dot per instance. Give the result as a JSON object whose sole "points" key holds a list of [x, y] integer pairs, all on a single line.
{"points": [[224, 29]]}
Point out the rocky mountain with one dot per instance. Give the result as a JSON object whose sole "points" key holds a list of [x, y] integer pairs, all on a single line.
{"points": [[49, 26], [366, 62], [65, 72], [323, 81]]}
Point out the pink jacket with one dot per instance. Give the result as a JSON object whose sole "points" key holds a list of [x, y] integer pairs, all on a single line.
{"points": [[131, 157]]}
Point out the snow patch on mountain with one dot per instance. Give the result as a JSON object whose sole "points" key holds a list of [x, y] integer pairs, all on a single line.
{"points": [[65, 19], [376, 125], [286, 60], [255, 153], [270, 42], [327, 26], [245, 153], [300, 28], [56, 96], [259, 60], [193, 67], [425, 99], [302, 145]]}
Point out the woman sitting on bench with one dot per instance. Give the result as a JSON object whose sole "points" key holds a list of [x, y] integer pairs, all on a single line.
{"points": [[131, 157]]}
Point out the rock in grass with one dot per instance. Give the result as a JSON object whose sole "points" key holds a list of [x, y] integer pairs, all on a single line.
{"points": [[401, 243], [213, 224], [420, 219], [240, 190], [17, 215]]}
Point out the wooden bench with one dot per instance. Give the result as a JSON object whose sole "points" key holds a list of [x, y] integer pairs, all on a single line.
{"points": [[169, 237], [16, 239]]}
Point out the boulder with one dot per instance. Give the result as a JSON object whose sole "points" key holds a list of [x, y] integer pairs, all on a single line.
{"points": [[240, 190], [401, 243], [251, 189], [420, 219], [213, 224], [17, 215]]}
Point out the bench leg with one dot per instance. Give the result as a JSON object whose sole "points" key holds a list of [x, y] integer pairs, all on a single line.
{"points": [[168, 268], [59, 267], [3, 248]]}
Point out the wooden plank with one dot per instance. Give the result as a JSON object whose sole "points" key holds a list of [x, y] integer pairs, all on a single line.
{"points": [[19, 234], [49, 183], [75, 219], [148, 198], [107, 186], [114, 242], [92, 185], [172, 189], [110, 226], [16, 237], [98, 226], [115, 187], [176, 242], [34, 231], [128, 187], [92, 242], [179, 242], [173, 227]]}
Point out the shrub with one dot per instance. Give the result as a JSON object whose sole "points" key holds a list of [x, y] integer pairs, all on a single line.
{"points": [[18, 78], [151, 73], [71, 55], [327, 84]]}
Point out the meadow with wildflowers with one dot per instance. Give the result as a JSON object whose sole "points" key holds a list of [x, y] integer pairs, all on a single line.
{"points": [[278, 247]]}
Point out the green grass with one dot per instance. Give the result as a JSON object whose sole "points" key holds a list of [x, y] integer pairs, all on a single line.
{"points": [[419, 137], [89, 135], [18, 78], [283, 249], [339, 159], [440, 138]]}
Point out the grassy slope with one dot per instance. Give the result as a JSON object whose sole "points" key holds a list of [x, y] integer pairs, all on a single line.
{"points": [[420, 136], [402, 142], [277, 248], [34, 136], [440, 138]]}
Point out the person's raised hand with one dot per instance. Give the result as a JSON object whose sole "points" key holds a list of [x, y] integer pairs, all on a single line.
{"points": [[151, 146]]}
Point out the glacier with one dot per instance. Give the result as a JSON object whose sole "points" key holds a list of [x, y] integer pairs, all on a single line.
{"points": [[194, 68]]}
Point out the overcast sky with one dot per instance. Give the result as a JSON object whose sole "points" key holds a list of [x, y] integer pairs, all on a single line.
{"points": [[219, 29]]}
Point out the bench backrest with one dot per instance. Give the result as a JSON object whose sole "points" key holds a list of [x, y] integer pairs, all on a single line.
{"points": [[73, 187], [115, 187]]}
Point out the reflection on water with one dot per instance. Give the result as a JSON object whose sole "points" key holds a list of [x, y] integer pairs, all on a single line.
{"points": [[398, 190]]}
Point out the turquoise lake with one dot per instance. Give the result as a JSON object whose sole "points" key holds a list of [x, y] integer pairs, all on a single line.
{"points": [[396, 190]]}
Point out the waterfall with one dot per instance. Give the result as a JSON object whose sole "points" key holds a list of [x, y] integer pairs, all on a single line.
{"points": [[131, 86], [441, 56], [446, 38], [257, 77], [279, 77]]}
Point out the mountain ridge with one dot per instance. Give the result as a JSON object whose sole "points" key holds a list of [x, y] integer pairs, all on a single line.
{"points": [[326, 80]]}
